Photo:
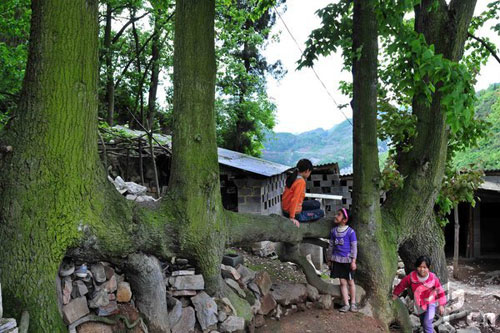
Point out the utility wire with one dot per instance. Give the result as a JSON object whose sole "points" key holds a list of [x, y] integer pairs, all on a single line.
{"points": [[312, 67]]}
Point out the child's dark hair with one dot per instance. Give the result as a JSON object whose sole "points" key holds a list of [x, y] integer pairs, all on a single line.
{"points": [[422, 259], [345, 212], [302, 165]]}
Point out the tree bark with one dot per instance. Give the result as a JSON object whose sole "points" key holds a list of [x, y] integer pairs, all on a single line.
{"points": [[456, 242], [54, 162], [377, 255], [423, 167], [110, 84], [195, 172], [146, 279]]}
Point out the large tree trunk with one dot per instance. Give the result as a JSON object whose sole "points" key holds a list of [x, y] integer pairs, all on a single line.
{"points": [[377, 255], [54, 161], [445, 27], [195, 170], [407, 219]]}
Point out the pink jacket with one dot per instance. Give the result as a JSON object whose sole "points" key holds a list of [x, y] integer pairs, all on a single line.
{"points": [[424, 293]]}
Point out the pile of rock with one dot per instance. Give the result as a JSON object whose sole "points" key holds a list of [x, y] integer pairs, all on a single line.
{"points": [[275, 300], [85, 291], [190, 308], [131, 190], [99, 290]]}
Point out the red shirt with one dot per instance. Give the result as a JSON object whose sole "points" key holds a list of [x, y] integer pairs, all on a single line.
{"points": [[292, 199], [424, 293]]}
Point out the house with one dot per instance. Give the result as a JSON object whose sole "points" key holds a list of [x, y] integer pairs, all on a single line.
{"points": [[248, 184], [479, 225]]}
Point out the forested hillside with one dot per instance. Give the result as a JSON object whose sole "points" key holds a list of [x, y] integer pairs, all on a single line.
{"points": [[487, 153], [335, 144], [319, 145]]}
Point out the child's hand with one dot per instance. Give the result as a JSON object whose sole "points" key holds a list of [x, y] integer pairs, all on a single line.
{"points": [[394, 297], [353, 266], [297, 223], [441, 310]]}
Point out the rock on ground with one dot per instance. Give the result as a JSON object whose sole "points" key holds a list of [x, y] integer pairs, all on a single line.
{"points": [[289, 293], [187, 282], [75, 309], [186, 322], [206, 310], [233, 323]]}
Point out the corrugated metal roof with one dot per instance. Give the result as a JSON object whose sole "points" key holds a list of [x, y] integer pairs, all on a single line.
{"points": [[250, 163], [226, 157], [490, 186]]}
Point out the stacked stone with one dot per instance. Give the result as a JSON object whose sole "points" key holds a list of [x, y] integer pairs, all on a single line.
{"points": [[191, 309], [274, 300], [7, 325], [98, 291]]}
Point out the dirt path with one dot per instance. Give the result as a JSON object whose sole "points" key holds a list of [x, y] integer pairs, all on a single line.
{"points": [[322, 321]]}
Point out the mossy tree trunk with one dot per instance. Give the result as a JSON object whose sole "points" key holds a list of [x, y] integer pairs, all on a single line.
{"points": [[195, 169], [377, 248], [405, 222], [54, 163]]}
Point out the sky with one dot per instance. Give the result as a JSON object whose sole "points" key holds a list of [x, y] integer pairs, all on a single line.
{"points": [[302, 102]]}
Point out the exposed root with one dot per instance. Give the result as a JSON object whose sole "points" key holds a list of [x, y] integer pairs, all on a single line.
{"points": [[291, 253], [109, 321], [146, 279]]}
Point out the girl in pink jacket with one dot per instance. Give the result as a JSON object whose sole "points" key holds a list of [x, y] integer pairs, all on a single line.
{"points": [[427, 291]]}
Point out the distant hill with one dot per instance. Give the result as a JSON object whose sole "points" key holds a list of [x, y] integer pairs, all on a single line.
{"points": [[335, 144], [319, 145]]}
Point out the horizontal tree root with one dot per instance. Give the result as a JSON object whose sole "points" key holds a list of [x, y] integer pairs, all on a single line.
{"points": [[112, 320]]}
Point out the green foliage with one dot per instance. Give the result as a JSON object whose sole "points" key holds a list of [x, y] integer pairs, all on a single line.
{"points": [[390, 178], [131, 54], [335, 33], [244, 110], [14, 32], [458, 186], [412, 73]]}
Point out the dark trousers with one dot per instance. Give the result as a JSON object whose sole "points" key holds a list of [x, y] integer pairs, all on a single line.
{"points": [[310, 211]]}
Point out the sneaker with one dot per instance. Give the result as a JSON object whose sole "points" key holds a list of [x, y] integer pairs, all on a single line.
{"points": [[82, 271], [354, 307], [345, 308]]}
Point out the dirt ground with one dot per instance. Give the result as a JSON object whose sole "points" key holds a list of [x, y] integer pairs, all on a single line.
{"points": [[324, 321], [480, 279]]}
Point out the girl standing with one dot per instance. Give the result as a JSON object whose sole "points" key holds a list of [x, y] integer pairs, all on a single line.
{"points": [[292, 202], [344, 251], [427, 291]]}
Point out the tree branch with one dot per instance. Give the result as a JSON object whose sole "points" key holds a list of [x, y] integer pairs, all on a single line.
{"points": [[122, 30], [250, 228], [485, 45]]}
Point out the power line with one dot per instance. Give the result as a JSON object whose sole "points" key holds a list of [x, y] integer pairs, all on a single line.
{"points": [[312, 67]]}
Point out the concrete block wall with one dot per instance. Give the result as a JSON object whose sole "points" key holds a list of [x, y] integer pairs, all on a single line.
{"points": [[331, 184], [260, 195]]}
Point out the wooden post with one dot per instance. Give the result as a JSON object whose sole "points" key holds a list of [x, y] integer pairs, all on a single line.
{"points": [[455, 250]]}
